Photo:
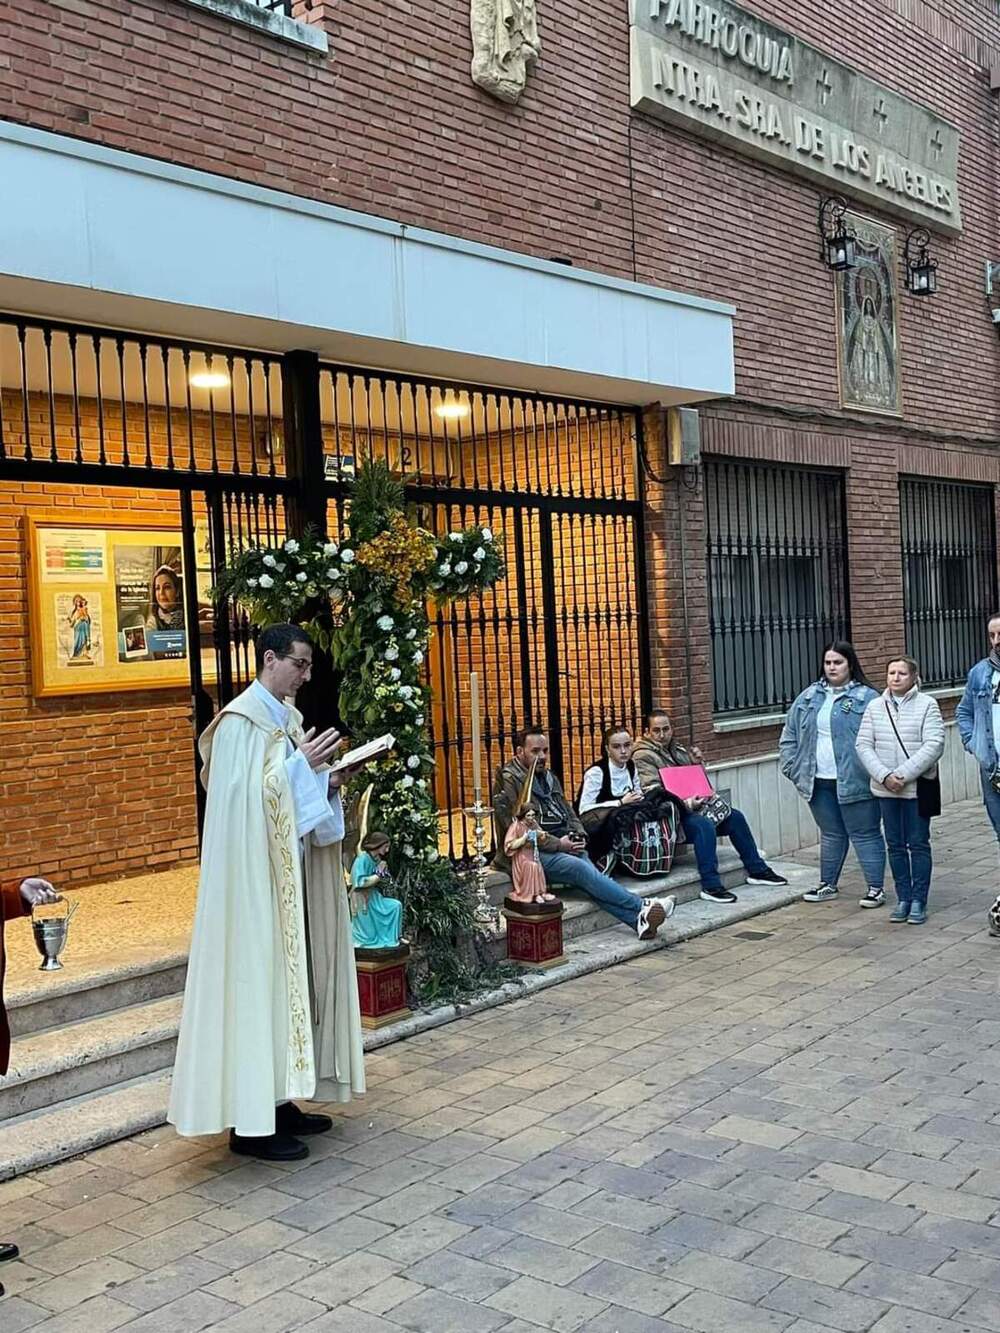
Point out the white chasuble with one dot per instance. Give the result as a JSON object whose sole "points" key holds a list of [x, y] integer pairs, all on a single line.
{"points": [[252, 1034]]}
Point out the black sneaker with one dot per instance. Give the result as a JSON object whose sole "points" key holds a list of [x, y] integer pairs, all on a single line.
{"points": [[718, 896], [767, 876]]}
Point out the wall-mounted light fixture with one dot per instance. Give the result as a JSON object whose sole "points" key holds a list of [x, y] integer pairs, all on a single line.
{"points": [[837, 252], [921, 269]]}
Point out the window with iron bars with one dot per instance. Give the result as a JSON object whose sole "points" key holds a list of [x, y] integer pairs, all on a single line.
{"points": [[777, 577], [949, 574]]}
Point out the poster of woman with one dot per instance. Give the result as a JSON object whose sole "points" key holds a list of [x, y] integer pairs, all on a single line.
{"points": [[79, 629], [149, 595]]}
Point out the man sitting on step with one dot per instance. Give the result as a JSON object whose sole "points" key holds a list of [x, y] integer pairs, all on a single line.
{"points": [[16, 900], [658, 749], [562, 841]]}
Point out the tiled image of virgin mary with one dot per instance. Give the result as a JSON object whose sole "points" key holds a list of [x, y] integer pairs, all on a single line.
{"points": [[866, 312]]}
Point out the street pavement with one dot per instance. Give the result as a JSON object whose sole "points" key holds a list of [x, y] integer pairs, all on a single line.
{"points": [[789, 1124]]}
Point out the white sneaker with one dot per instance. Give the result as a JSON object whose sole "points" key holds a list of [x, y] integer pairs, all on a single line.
{"points": [[652, 915], [873, 898]]}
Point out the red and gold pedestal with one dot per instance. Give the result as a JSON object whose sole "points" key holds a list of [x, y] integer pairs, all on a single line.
{"points": [[534, 933], [382, 985]]}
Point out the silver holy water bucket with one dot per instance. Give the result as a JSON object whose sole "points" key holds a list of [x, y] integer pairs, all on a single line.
{"points": [[50, 938]]}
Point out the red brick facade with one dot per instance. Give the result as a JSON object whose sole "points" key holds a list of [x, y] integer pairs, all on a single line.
{"points": [[390, 123]]}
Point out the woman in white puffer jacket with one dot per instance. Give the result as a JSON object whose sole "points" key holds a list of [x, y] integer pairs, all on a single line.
{"points": [[900, 741]]}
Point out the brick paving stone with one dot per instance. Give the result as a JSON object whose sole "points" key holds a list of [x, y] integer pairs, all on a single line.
{"points": [[864, 1212], [948, 1202], [806, 1261], [725, 1277], [552, 1307], [532, 1219], [708, 1313], [435, 1312], [899, 1320], [774, 1220], [91, 1279], [416, 1240], [346, 1278], [905, 1252], [19, 1314], [633, 1214], [825, 1305], [651, 1254], [459, 1275], [280, 1313], [99, 1314], [930, 1294], [622, 1286]]}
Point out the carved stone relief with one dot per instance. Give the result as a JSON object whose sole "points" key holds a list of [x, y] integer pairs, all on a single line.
{"points": [[505, 42]]}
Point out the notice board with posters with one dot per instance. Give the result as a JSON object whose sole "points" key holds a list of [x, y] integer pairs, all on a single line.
{"points": [[106, 600]]}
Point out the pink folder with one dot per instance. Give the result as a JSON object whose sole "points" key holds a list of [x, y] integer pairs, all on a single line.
{"points": [[686, 780]]}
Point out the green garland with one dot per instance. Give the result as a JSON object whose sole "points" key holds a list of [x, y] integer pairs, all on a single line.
{"points": [[373, 590]]}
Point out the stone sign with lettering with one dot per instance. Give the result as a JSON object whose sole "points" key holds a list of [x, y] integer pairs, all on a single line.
{"points": [[717, 69]]}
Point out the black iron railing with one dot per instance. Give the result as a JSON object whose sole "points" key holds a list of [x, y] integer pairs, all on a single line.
{"points": [[777, 576], [562, 640], [949, 574]]}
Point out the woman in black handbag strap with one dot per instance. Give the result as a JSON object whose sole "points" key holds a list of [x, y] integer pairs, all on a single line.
{"points": [[900, 742]]}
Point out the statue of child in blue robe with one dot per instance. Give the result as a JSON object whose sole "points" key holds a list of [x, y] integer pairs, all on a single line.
{"points": [[377, 920]]}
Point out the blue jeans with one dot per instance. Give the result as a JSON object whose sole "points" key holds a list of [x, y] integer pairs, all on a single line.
{"points": [[579, 872], [703, 836], [908, 838], [841, 826], [992, 801]]}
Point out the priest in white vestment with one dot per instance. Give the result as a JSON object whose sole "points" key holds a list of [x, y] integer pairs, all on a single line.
{"points": [[271, 1001]]}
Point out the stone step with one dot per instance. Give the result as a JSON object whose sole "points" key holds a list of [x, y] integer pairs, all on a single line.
{"points": [[61, 998], [82, 1123], [61, 1063], [582, 916]]}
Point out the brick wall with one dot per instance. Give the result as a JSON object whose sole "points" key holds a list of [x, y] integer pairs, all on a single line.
{"points": [[93, 786], [391, 124]]}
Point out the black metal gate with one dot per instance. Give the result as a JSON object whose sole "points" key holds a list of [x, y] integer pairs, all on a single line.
{"points": [[248, 446]]}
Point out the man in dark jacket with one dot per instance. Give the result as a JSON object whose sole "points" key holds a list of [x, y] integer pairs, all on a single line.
{"points": [[16, 900], [562, 841], [658, 749]]}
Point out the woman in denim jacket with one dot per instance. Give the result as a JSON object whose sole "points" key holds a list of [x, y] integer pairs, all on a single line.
{"points": [[818, 754]]}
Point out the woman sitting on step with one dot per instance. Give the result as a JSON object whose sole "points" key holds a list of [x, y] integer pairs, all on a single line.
{"points": [[624, 823]]}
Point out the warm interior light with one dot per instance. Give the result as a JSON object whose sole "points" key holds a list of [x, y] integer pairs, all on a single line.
{"points": [[209, 379], [451, 410]]}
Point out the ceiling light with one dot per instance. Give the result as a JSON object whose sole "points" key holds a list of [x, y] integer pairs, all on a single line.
{"points": [[451, 410], [209, 379]]}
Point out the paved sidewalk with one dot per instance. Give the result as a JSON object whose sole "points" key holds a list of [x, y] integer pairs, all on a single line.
{"points": [[792, 1124]]}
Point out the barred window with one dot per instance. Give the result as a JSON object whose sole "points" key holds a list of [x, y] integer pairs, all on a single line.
{"points": [[949, 574], [777, 576]]}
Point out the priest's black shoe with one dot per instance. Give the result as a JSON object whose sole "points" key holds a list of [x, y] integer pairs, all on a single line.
{"points": [[7, 1251], [291, 1119], [279, 1147]]}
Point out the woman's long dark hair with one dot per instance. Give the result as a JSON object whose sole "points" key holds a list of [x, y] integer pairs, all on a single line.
{"points": [[846, 650]]}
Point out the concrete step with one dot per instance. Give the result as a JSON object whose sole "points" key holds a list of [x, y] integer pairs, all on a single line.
{"points": [[582, 916], [61, 1063], [82, 1123], [61, 998]]}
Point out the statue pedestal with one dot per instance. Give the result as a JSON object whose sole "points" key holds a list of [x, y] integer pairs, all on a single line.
{"points": [[382, 985], [534, 933]]}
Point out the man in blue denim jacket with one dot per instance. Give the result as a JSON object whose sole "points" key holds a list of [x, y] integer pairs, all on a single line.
{"points": [[978, 718]]}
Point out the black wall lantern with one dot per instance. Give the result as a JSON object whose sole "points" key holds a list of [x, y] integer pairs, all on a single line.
{"points": [[838, 240], [921, 269]]}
